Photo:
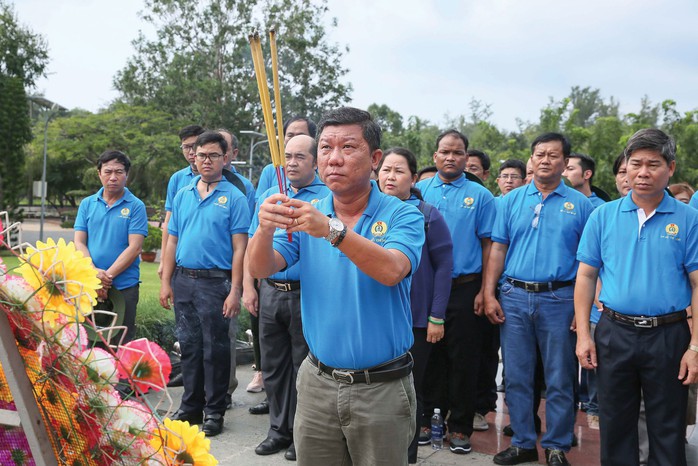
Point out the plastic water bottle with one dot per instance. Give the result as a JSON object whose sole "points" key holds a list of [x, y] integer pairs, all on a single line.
{"points": [[437, 430]]}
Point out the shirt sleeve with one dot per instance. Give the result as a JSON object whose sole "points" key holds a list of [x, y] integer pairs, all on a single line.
{"points": [[438, 240], [81, 219], [486, 216], [173, 224], [694, 201], [589, 249], [139, 220], [500, 231], [239, 215], [171, 192], [406, 234], [691, 260]]}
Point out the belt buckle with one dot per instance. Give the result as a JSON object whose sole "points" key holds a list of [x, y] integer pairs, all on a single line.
{"points": [[532, 287], [190, 273], [282, 286], [645, 322], [343, 376]]}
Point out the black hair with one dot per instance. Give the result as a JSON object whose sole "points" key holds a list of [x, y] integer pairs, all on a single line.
{"points": [[549, 137], [452, 132], [109, 155], [312, 127], [209, 137], [654, 140], [586, 162], [429, 169], [353, 116], [411, 164], [484, 158], [189, 131], [617, 163], [514, 163]]}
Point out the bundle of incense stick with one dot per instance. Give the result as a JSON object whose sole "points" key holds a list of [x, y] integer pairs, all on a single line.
{"points": [[276, 144]]}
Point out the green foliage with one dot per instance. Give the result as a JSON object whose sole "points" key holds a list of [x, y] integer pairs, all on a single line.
{"points": [[23, 54], [199, 66], [154, 239]]}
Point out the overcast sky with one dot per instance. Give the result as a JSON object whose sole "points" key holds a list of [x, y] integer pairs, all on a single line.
{"points": [[430, 58]]}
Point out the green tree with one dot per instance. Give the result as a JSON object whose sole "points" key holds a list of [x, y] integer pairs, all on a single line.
{"points": [[199, 66], [23, 59], [146, 135]]}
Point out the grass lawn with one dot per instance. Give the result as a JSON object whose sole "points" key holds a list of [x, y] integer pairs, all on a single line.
{"points": [[153, 321]]}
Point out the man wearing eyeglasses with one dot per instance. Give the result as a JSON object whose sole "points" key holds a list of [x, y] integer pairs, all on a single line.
{"points": [[535, 240], [110, 228], [181, 178], [202, 277], [512, 174]]}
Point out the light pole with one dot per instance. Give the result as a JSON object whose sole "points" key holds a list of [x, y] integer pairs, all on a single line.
{"points": [[253, 135]]}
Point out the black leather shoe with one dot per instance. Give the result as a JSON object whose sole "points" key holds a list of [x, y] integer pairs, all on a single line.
{"points": [[269, 446], [291, 453], [213, 425], [516, 455], [555, 458], [176, 381], [509, 432], [191, 418], [261, 408]]}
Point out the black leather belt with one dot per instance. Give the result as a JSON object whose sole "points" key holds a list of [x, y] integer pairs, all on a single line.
{"points": [[284, 286], [538, 287], [646, 321], [391, 370], [463, 279], [204, 273]]}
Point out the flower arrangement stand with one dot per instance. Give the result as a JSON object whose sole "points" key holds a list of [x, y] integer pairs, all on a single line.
{"points": [[27, 414]]}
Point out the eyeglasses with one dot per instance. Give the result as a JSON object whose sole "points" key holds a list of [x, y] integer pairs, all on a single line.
{"points": [[200, 156], [510, 177], [536, 215], [187, 147]]}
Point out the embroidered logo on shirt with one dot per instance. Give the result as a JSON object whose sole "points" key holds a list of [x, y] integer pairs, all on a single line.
{"points": [[672, 229], [379, 229], [468, 201], [568, 206], [222, 200], [314, 201], [124, 212]]}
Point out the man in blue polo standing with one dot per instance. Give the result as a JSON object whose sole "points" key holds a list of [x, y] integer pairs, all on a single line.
{"points": [[454, 364], [110, 228], [644, 248], [202, 277], [535, 239], [356, 250]]}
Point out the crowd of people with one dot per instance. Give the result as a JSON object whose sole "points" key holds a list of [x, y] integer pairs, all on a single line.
{"points": [[379, 291]]}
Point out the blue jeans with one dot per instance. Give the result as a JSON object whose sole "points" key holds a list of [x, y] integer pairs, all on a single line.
{"points": [[541, 319], [592, 404]]}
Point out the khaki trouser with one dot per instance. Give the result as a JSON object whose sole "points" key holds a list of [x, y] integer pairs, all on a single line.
{"points": [[359, 424]]}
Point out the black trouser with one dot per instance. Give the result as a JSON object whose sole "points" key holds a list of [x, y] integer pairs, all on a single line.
{"points": [[452, 371], [202, 332], [283, 349], [131, 303], [632, 361], [421, 349], [486, 398]]}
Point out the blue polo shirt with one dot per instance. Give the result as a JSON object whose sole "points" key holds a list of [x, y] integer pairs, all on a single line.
{"points": [[694, 201], [267, 179], [645, 270], [595, 200], [204, 226], [249, 189], [311, 193], [350, 320], [546, 253], [178, 180], [107, 231], [469, 211]]}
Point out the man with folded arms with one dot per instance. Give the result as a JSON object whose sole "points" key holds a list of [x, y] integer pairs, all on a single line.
{"points": [[202, 277], [644, 248], [356, 250], [534, 242]]}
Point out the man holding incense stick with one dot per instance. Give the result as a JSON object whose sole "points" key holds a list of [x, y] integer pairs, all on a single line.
{"points": [[356, 250]]}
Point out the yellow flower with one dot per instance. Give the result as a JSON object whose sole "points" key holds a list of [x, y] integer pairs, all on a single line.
{"points": [[182, 443], [64, 279]]}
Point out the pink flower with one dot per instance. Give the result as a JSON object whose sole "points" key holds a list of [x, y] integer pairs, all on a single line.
{"points": [[145, 364]]}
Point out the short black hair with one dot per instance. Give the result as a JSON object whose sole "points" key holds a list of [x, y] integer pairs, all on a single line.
{"points": [[353, 116], [312, 127], [189, 131], [549, 137], [618, 162], [452, 132], [514, 163], [484, 158], [411, 164], [109, 155], [429, 169], [586, 162], [654, 140], [208, 137]]}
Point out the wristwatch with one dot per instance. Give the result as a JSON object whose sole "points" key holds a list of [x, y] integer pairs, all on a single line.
{"points": [[337, 231]]}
